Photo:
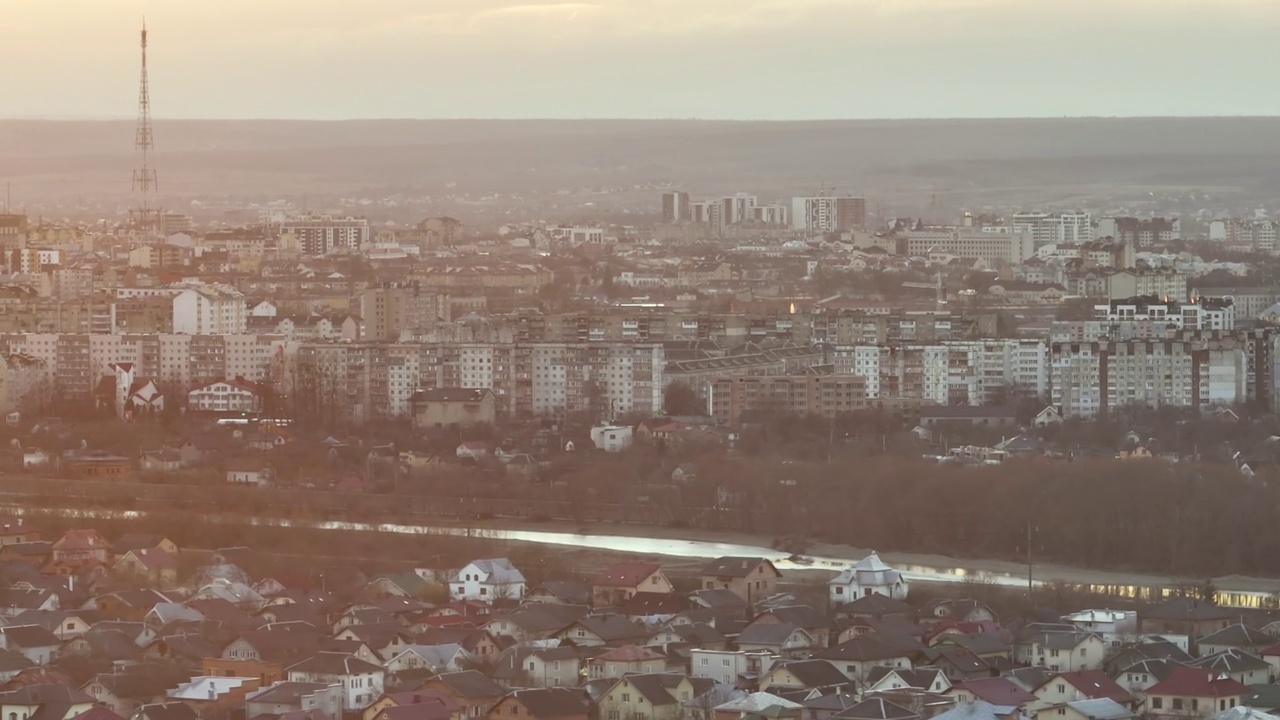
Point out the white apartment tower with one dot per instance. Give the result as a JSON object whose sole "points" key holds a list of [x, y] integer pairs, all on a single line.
{"points": [[217, 309]]}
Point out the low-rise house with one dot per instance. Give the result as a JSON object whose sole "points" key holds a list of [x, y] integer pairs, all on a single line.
{"points": [[539, 667], [730, 667], [750, 578], [472, 690], [435, 658], [362, 680], [997, 691], [1081, 685], [213, 696], [1184, 616], [165, 710], [654, 696], [105, 644], [625, 660], [621, 581], [857, 657], [411, 705], [1113, 625], [959, 610], [488, 580], [1099, 709], [560, 592], [1060, 648], [868, 575], [33, 642], [542, 704], [924, 679], [877, 708], [1235, 637], [153, 566], [802, 616], [537, 621], [610, 630], [1139, 676], [1192, 692], [783, 639], [758, 705], [1238, 665], [285, 697], [802, 675], [959, 664], [12, 664], [250, 471]]}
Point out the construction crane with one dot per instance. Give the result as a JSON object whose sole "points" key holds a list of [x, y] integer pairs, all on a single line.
{"points": [[938, 286]]}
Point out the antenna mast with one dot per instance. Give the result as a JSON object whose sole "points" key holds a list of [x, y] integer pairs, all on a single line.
{"points": [[144, 178]]}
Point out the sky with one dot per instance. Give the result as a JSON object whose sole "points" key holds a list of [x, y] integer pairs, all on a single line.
{"points": [[713, 59]]}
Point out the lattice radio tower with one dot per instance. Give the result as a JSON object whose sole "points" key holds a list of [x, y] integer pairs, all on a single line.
{"points": [[144, 178]]}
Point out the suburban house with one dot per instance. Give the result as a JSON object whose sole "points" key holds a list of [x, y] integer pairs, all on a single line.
{"points": [[998, 691], [859, 656], [1235, 637], [1113, 625], [1060, 648], [33, 642], [1100, 709], [621, 581], [362, 681], [1066, 687], [802, 675], [626, 660], [758, 705], [869, 575], [1192, 692], [610, 630], [1184, 616], [930, 680], [472, 690], [543, 704], [435, 658], [539, 667], [487, 580], [250, 471], [156, 566], [750, 578], [1238, 665], [729, 666], [655, 696], [782, 639]]}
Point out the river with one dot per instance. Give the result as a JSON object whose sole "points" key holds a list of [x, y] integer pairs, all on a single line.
{"points": [[1241, 592]]}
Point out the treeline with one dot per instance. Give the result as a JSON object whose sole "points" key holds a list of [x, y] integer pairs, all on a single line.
{"points": [[1142, 516], [1184, 519]]}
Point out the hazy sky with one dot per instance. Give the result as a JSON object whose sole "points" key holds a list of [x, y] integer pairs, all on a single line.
{"points": [[769, 59]]}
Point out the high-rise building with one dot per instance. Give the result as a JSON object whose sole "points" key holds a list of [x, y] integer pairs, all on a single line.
{"points": [[827, 396], [1138, 231], [1196, 371], [324, 234], [675, 207], [1055, 228], [828, 214], [217, 309]]}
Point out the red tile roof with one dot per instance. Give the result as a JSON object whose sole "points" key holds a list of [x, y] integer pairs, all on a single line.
{"points": [[1093, 684], [997, 691], [625, 575], [1195, 682]]}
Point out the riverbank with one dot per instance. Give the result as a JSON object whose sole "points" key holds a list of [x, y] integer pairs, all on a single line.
{"points": [[1003, 572]]}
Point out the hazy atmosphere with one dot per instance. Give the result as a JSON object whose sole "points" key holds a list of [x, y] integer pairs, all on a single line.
{"points": [[738, 59]]}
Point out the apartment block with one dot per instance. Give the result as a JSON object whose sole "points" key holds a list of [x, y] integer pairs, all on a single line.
{"points": [[827, 396], [994, 248], [375, 380], [1091, 378], [975, 372]]}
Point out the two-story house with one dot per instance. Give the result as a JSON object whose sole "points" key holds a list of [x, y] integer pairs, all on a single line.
{"points": [[621, 581], [626, 660], [362, 681], [609, 629], [659, 696], [542, 704], [488, 580], [1192, 693], [783, 639], [472, 690], [1060, 648], [750, 578]]}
